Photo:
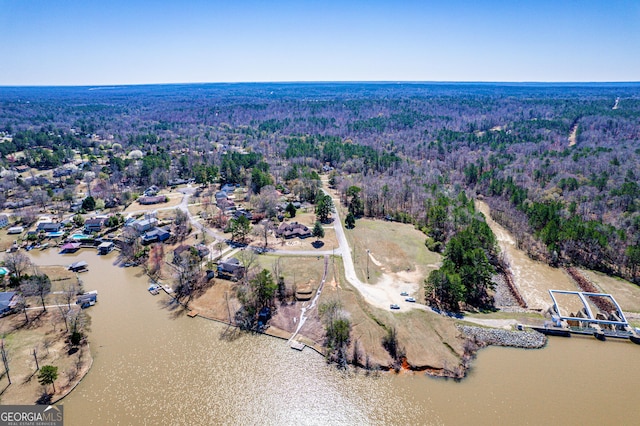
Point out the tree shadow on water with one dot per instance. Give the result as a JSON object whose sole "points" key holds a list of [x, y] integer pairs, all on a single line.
{"points": [[175, 308]]}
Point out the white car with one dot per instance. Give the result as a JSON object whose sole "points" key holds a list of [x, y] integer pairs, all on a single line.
{"points": [[410, 299], [394, 306]]}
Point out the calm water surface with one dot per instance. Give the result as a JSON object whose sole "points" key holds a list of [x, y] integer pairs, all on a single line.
{"points": [[151, 368]]}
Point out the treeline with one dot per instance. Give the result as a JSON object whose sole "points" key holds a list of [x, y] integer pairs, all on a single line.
{"points": [[402, 145], [336, 152], [470, 256]]}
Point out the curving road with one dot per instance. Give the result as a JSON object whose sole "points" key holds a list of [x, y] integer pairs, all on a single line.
{"points": [[381, 296]]}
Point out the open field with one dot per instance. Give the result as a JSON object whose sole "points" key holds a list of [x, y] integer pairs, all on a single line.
{"points": [[391, 254], [46, 334], [7, 240], [430, 341], [296, 270], [175, 198]]}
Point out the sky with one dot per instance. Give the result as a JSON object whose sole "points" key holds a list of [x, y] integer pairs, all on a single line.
{"points": [[109, 42]]}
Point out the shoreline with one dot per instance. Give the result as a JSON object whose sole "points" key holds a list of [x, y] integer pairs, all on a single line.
{"points": [[457, 374], [84, 374]]}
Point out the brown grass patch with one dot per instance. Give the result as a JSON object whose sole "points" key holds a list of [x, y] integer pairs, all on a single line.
{"points": [[46, 333]]}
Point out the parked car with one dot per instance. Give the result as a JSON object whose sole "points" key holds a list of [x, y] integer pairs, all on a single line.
{"points": [[394, 306], [410, 299], [404, 293]]}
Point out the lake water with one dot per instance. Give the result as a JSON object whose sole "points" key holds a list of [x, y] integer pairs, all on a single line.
{"points": [[151, 368]]}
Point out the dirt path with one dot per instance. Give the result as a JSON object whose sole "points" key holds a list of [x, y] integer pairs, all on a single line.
{"points": [[507, 324], [387, 290], [305, 309], [533, 279], [615, 106], [573, 135]]}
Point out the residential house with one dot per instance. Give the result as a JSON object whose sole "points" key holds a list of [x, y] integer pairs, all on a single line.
{"points": [[152, 199], [37, 181], [231, 269], [156, 235], [178, 253], [177, 181], [145, 224], [151, 191], [227, 187], [225, 204], [203, 251], [238, 213], [49, 227], [94, 224], [292, 230], [4, 220], [18, 204], [200, 249], [8, 301], [62, 172]]}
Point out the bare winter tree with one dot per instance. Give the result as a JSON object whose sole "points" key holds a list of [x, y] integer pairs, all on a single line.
{"points": [[37, 285], [18, 263], [181, 225]]}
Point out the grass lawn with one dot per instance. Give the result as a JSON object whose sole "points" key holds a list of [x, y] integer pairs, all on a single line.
{"points": [[296, 270], [46, 334], [429, 340], [174, 199], [7, 240], [393, 247]]}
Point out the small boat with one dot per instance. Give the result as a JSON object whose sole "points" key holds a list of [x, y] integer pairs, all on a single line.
{"points": [[154, 289]]}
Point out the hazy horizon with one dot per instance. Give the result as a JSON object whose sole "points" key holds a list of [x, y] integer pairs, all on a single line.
{"points": [[165, 42], [336, 82]]}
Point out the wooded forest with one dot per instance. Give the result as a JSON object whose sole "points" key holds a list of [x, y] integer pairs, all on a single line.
{"points": [[557, 163]]}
